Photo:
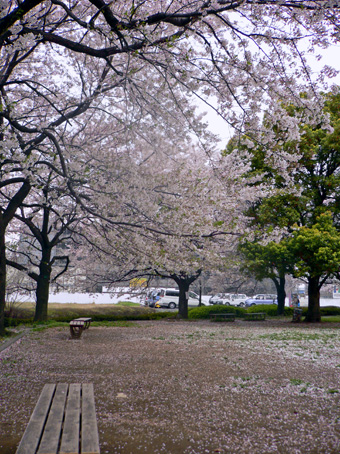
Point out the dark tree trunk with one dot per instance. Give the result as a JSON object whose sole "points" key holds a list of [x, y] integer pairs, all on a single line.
{"points": [[43, 286], [281, 294], [2, 276], [313, 313], [183, 281], [200, 295], [183, 285]]}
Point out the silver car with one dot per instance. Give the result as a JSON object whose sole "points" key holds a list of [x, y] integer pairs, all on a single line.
{"points": [[268, 298]]}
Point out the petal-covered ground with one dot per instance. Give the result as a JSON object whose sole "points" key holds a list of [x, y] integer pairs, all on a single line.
{"points": [[187, 387]]}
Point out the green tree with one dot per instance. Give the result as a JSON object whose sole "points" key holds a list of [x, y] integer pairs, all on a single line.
{"points": [[297, 176], [271, 261], [317, 258]]}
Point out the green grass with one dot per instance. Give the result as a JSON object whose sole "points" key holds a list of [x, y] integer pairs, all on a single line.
{"points": [[118, 323], [293, 335], [331, 318], [127, 304]]}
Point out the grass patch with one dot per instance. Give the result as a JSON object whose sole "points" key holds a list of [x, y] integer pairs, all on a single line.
{"points": [[331, 318], [293, 335], [296, 382], [127, 304], [41, 326], [332, 391], [118, 324]]}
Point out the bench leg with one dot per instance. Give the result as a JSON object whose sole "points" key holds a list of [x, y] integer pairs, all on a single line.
{"points": [[76, 331]]}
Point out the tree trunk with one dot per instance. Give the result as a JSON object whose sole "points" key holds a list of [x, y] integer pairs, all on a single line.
{"points": [[43, 287], [200, 295], [183, 281], [2, 276], [183, 285], [281, 294], [313, 313]]}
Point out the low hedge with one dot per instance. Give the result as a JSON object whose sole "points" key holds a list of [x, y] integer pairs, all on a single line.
{"points": [[330, 310], [98, 313], [204, 311], [270, 309]]}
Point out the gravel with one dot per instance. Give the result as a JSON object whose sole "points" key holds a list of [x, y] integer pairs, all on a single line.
{"points": [[187, 386]]}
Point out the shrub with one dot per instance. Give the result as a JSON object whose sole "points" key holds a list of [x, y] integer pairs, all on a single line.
{"points": [[13, 322], [204, 311], [330, 310], [98, 312], [270, 309]]}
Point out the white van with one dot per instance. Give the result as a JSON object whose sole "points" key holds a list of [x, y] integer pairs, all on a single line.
{"points": [[169, 297]]}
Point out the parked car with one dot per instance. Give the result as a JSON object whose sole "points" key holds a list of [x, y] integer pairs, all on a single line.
{"points": [[216, 299], [234, 299], [153, 297], [146, 300], [261, 299], [170, 298], [229, 299]]}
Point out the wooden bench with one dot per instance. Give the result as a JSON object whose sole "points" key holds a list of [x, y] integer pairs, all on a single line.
{"points": [[78, 325], [227, 317], [255, 316], [63, 422]]}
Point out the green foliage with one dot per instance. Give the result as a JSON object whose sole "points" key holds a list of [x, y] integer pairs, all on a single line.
{"points": [[329, 310], [204, 311], [98, 312], [11, 322], [270, 309], [115, 315], [266, 261], [310, 214], [41, 326], [316, 248]]}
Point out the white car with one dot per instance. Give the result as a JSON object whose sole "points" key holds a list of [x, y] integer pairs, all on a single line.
{"points": [[229, 299], [170, 298]]}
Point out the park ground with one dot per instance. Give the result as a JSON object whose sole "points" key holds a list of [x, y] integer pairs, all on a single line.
{"points": [[185, 387]]}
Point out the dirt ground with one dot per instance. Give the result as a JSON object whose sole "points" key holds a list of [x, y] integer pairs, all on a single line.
{"points": [[187, 387]]}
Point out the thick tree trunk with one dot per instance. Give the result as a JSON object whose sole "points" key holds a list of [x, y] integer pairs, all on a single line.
{"points": [[183, 281], [183, 285], [313, 313], [43, 287], [281, 294], [2, 276]]}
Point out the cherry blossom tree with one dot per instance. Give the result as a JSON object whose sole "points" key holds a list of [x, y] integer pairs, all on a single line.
{"points": [[43, 231], [235, 53], [190, 222]]}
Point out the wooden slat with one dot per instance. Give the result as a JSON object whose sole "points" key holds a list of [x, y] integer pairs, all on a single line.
{"points": [[50, 441], [71, 430], [32, 435], [89, 430]]}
